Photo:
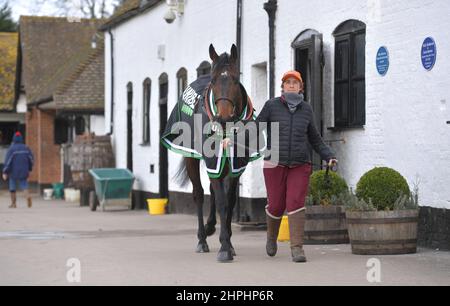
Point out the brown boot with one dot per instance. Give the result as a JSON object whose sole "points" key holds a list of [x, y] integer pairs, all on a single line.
{"points": [[296, 231], [273, 226], [13, 200], [29, 200]]}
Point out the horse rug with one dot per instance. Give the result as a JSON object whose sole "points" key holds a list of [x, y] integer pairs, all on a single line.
{"points": [[190, 131]]}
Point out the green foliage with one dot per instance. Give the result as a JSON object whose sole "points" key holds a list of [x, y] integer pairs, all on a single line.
{"points": [[7, 24], [383, 187], [352, 203], [309, 200], [406, 202], [323, 192]]}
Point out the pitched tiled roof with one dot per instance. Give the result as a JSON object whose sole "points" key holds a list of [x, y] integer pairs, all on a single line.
{"points": [[127, 10], [128, 5], [8, 60], [52, 48], [83, 89]]}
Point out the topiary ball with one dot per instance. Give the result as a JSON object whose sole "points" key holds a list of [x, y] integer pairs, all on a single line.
{"points": [[321, 192], [383, 186]]}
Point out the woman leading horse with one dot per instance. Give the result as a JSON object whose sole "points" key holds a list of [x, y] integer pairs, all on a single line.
{"points": [[214, 101]]}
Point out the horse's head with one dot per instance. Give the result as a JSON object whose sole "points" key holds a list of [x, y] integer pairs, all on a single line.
{"points": [[225, 84]]}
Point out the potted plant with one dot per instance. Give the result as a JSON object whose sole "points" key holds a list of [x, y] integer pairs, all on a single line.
{"points": [[382, 216], [325, 212]]}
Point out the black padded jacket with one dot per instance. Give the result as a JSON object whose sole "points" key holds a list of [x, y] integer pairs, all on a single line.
{"points": [[298, 134]]}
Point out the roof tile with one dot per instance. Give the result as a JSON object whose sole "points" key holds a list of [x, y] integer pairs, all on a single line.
{"points": [[52, 48]]}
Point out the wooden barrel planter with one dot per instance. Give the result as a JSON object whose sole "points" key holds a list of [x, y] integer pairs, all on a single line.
{"points": [[88, 152], [326, 225], [383, 232]]}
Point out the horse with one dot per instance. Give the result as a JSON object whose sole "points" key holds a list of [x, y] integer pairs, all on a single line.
{"points": [[229, 103]]}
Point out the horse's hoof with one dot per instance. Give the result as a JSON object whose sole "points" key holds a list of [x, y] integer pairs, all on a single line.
{"points": [[202, 248], [210, 230], [225, 256], [233, 252]]}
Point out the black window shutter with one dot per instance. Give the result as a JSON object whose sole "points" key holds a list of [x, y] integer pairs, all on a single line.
{"points": [[350, 81], [342, 80], [358, 80]]}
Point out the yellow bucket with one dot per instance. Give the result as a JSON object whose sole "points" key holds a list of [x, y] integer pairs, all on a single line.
{"points": [[157, 206], [283, 234]]}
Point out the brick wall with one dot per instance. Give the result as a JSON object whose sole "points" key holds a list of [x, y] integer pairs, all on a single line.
{"points": [[50, 160], [40, 139], [32, 124]]}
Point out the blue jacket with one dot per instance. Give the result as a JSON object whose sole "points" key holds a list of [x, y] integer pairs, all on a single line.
{"points": [[18, 162]]}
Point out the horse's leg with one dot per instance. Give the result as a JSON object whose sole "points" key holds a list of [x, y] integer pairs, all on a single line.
{"points": [[225, 254], [193, 170], [210, 227], [232, 186]]}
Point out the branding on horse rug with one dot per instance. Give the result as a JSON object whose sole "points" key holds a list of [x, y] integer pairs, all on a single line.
{"points": [[190, 98]]}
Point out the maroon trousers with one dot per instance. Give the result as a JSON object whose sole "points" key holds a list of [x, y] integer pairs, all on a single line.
{"points": [[287, 189]]}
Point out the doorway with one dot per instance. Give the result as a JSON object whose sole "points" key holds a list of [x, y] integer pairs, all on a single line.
{"points": [[308, 60]]}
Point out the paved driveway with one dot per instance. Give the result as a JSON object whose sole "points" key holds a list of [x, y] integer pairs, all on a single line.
{"points": [[47, 244]]}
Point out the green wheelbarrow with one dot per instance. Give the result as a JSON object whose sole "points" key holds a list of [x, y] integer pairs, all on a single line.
{"points": [[112, 188]]}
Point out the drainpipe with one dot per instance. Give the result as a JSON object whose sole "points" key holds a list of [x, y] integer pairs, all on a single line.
{"points": [[239, 47], [111, 123], [271, 8], [239, 34]]}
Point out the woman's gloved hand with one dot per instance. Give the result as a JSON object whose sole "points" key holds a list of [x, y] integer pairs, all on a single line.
{"points": [[332, 162]]}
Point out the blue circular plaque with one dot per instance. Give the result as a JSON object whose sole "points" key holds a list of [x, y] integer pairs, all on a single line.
{"points": [[428, 53], [382, 61]]}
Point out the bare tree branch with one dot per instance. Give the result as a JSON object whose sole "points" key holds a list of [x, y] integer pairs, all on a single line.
{"points": [[81, 8], [102, 9]]}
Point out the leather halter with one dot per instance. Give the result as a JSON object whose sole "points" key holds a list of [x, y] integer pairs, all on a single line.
{"points": [[209, 101]]}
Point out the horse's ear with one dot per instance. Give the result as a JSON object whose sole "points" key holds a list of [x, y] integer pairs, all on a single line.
{"points": [[234, 53], [212, 53]]}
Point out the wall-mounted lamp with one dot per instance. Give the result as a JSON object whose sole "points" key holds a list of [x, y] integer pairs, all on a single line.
{"points": [[94, 40], [174, 6]]}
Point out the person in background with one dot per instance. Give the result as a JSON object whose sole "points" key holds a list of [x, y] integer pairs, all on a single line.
{"points": [[287, 182], [18, 165]]}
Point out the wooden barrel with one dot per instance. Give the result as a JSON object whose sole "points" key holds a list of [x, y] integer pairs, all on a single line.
{"points": [[383, 232], [325, 225], [88, 152]]}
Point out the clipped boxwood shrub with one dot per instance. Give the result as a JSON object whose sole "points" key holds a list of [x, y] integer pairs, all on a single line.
{"points": [[320, 192], [382, 186]]}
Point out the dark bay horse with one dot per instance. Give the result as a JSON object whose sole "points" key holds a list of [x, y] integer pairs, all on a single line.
{"points": [[229, 104]]}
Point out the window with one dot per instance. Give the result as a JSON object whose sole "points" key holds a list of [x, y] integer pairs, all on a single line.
{"points": [[349, 74], [130, 126], [181, 82], [7, 132], [204, 69], [61, 130], [146, 112], [163, 88], [80, 125]]}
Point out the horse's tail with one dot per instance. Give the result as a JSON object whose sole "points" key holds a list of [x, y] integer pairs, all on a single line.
{"points": [[181, 177]]}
